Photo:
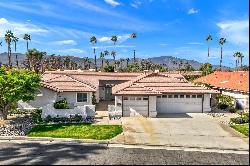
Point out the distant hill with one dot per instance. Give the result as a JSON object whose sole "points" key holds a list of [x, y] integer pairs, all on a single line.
{"points": [[167, 61]]}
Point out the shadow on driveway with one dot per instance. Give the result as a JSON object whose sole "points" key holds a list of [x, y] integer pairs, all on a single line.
{"points": [[173, 116]]}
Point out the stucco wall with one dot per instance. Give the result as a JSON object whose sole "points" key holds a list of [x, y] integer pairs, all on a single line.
{"points": [[206, 103], [152, 106], [72, 96], [48, 97]]}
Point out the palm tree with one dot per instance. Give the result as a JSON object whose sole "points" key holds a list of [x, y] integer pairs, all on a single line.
{"points": [[102, 55], [27, 38], [66, 62], [221, 42], [239, 56], [113, 53], [106, 53], [133, 36], [15, 40], [8, 39], [121, 62], [114, 39], [93, 40], [85, 61], [208, 39], [127, 61]]}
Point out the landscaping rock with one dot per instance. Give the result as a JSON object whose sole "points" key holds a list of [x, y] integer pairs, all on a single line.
{"points": [[17, 128]]}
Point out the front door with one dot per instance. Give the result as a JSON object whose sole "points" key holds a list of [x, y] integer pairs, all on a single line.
{"points": [[108, 93]]}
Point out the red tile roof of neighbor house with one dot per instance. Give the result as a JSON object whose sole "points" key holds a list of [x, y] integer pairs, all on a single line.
{"points": [[238, 80], [158, 83], [146, 83]]}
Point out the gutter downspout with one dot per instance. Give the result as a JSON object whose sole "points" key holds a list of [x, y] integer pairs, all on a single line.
{"points": [[122, 106]]}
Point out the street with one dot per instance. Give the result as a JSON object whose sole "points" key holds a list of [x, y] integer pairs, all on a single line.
{"points": [[48, 153]]}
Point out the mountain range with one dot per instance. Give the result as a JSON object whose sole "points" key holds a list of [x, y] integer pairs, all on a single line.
{"points": [[167, 61]]}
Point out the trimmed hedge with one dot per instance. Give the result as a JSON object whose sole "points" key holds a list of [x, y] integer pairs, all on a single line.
{"points": [[61, 104]]}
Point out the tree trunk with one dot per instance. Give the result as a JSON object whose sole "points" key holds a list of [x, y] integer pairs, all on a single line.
{"points": [[27, 45], [102, 63], [17, 65], [208, 55], [220, 57], [134, 55], [4, 112]]}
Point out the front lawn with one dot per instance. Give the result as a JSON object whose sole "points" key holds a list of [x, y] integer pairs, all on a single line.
{"points": [[78, 131], [242, 128]]}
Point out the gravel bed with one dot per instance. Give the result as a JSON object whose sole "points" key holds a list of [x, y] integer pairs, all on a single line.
{"points": [[17, 127]]}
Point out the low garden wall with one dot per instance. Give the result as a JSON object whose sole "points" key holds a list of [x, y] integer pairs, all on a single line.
{"points": [[84, 111]]}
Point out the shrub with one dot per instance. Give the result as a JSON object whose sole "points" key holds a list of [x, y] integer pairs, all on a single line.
{"points": [[94, 102], [240, 120], [36, 116], [73, 118], [61, 104], [233, 110], [225, 101]]}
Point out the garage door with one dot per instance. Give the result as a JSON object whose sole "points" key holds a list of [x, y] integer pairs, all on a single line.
{"points": [[134, 106], [179, 104]]}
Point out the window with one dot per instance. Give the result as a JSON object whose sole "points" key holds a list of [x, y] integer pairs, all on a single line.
{"points": [[164, 96], [175, 96], [181, 96], [199, 96], [132, 98], [145, 98], [170, 96], [193, 96], [187, 96], [158, 96], [82, 97], [138, 98], [125, 98]]}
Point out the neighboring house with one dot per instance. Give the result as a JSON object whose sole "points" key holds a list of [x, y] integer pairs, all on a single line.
{"points": [[234, 84], [145, 93], [161, 93]]}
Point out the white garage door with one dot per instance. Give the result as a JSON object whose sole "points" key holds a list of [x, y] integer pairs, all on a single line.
{"points": [[133, 106], [179, 104]]}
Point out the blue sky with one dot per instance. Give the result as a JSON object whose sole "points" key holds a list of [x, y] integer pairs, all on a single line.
{"points": [[164, 27]]}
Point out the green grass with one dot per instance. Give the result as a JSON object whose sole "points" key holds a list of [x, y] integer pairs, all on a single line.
{"points": [[242, 128], [78, 131]]}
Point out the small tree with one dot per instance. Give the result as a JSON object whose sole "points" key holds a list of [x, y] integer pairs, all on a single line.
{"points": [[16, 85], [94, 102], [206, 69]]}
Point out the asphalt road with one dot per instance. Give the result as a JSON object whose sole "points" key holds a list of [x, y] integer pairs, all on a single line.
{"points": [[38, 153]]}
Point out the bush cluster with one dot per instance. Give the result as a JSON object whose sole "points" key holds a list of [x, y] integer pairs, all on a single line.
{"points": [[73, 118], [61, 104], [240, 120], [225, 101]]}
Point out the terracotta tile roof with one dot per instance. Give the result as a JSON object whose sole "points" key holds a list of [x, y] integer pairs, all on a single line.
{"points": [[90, 78], [65, 83], [158, 83], [227, 80]]}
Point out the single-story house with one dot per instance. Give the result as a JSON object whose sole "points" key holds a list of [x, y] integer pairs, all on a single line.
{"points": [[234, 84], [147, 93]]}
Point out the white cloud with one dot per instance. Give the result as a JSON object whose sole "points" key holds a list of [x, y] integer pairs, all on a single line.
{"points": [[70, 51], [192, 11], [136, 4], [120, 38], [112, 2], [113, 46], [163, 44], [235, 31], [64, 42], [195, 43], [19, 29]]}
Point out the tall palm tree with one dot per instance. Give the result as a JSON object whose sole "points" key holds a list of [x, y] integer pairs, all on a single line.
{"points": [[102, 55], [222, 41], [106, 53], [114, 39], [241, 59], [27, 38], [93, 40], [133, 36], [236, 55], [15, 40], [127, 61], [8, 39], [209, 38], [113, 53]]}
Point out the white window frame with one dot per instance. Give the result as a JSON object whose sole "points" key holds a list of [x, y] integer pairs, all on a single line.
{"points": [[82, 101]]}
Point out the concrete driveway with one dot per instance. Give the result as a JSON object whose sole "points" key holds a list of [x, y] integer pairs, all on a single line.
{"points": [[181, 130]]}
